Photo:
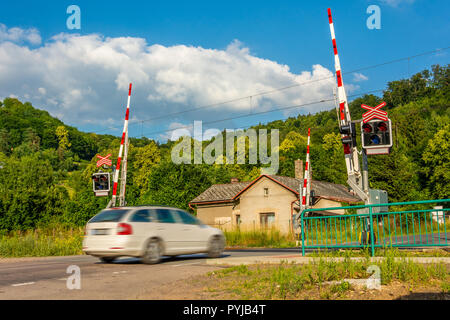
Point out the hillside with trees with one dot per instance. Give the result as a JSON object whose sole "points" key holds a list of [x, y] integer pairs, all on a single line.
{"points": [[46, 166]]}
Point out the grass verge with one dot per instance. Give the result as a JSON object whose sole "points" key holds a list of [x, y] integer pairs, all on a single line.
{"points": [[270, 238], [41, 242], [322, 279]]}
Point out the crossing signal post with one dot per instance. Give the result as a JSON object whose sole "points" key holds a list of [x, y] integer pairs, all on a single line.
{"points": [[101, 184], [348, 133]]}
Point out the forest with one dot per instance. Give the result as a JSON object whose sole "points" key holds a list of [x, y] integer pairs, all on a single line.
{"points": [[46, 165]]}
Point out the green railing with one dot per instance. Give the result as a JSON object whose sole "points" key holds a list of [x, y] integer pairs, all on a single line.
{"points": [[402, 226]]}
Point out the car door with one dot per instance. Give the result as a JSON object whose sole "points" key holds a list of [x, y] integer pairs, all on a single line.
{"points": [[193, 233], [169, 231], [141, 223]]}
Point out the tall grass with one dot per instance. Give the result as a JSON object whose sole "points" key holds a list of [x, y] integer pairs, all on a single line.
{"points": [[41, 242], [342, 229], [270, 238], [287, 281]]}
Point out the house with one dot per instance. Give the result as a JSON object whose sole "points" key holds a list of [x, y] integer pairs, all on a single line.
{"points": [[268, 201]]}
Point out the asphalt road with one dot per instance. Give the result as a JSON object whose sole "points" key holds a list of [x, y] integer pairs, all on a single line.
{"points": [[126, 278]]}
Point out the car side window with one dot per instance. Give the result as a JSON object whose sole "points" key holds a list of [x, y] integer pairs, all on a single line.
{"points": [[164, 216], [141, 216], [186, 218]]}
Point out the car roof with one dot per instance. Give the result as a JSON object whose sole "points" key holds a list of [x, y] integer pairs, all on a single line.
{"points": [[143, 206]]}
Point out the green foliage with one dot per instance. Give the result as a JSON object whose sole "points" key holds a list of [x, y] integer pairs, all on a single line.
{"points": [[437, 165], [28, 192], [175, 185], [46, 166], [145, 158], [324, 278], [42, 243]]}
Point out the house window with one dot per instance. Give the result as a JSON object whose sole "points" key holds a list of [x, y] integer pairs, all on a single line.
{"points": [[238, 220], [266, 220], [266, 192]]}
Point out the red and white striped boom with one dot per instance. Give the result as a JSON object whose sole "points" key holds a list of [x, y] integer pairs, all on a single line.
{"points": [[344, 113], [351, 156], [306, 182], [122, 143]]}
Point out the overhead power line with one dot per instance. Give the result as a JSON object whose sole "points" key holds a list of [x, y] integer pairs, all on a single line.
{"points": [[135, 122], [257, 113]]}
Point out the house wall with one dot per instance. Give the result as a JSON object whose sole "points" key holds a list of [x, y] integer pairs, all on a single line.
{"points": [[326, 203], [217, 215], [253, 203]]}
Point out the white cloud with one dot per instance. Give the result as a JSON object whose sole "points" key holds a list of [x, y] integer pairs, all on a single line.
{"points": [[396, 3], [19, 35], [84, 80], [42, 91], [358, 77]]}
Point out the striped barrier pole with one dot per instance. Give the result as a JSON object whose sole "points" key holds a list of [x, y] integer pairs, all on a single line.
{"points": [[344, 113], [306, 176], [119, 158]]}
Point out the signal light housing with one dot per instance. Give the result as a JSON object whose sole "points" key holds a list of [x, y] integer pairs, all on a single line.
{"points": [[376, 136], [101, 184], [349, 137]]}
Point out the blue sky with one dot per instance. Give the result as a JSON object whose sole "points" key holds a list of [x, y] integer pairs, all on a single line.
{"points": [[272, 42]]}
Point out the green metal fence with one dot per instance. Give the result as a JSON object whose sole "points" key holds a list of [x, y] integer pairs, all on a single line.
{"points": [[405, 224]]}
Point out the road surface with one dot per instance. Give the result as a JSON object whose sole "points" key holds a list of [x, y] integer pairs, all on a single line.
{"points": [[126, 278]]}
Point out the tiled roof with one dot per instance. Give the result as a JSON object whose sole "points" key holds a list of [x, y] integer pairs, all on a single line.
{"points": [[327, 190], [321, 189], [221, 192]]}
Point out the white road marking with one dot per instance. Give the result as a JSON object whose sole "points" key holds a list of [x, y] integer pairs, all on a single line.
{"points": [[22, 284], [184, 264], [117, 272]]}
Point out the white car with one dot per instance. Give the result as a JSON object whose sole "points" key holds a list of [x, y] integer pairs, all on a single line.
{"points": [[149, 232]]}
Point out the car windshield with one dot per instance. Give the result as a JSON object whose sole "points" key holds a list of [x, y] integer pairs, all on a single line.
{"points": [[111, 215]]}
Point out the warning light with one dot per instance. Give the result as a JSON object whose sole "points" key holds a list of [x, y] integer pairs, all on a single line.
{"points": [[367, 128], [382, 126], [375, 139], [347, 148], [101, 184], [376, 136]]}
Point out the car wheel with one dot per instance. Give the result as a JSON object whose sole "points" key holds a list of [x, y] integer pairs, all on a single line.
{"points": [[216, 247], [152, 252], [107, 259]]}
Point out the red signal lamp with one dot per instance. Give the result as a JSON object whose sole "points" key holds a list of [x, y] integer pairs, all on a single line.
{"points": [[367, 128], [382, 126]]}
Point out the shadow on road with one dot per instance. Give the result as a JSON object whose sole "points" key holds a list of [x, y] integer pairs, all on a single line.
{"points": [[165, 259], [425, 296]]}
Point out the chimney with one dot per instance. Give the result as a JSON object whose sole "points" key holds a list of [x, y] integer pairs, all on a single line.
{"points": [[234, 180], [298, 169]]}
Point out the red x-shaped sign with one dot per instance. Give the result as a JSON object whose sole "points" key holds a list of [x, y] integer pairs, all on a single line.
{"points": [[374, 112], [104, 160]]}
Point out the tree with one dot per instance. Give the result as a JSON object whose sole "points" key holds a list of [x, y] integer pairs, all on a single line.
{"points": [[5, 146], [32, 139], [28, 193], [327, 160], [437, 164], [292, 148], [175, 185], [396, 174], [143, 161], [63, 137]]}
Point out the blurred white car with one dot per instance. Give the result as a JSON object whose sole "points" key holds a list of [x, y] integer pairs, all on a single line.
{"points": [[149, 232]]}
